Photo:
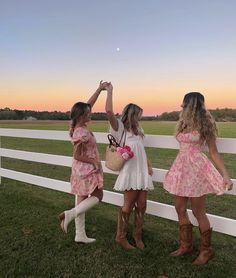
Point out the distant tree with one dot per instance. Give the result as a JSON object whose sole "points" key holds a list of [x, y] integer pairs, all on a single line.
{"points": [[149, 118], [20, 114], [169, 116], [8, 115], [99, 116], [226, 114]]}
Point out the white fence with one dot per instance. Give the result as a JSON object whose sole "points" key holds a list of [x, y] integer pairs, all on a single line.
{"points": [[220, 224]]}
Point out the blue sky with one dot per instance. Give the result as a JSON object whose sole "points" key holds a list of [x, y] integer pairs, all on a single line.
{"points": [[59, 50]]}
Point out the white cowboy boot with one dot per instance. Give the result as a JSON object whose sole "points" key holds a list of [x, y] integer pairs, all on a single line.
{"points": [[68, 215], [80, 234]]}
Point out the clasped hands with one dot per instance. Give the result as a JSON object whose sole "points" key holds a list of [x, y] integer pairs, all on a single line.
{"points": [[105, 86]]}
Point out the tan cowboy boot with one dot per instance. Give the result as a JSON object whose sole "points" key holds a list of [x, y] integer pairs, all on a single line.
{"points": [[122, 226], [138, 224], [206, 251], [186, 241]]}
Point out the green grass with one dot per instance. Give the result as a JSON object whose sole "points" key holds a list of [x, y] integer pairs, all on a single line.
{"points": [[47, 252], [227, 129]]}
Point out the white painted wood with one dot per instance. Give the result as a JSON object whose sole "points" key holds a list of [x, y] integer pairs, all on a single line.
{"points": [[61, 160], [225, 145], [219, 224], [36, 180], [35, 134]]}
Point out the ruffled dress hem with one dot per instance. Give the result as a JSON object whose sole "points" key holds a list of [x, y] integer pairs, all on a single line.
{"points": [[126, 188], [196, 196]]}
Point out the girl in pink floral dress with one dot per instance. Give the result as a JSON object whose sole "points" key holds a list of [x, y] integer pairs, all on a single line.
{"points": [[192, 175], [86, 176]]}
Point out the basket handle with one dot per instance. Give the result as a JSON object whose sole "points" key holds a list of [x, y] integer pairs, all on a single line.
{"points": [[112, 141]]}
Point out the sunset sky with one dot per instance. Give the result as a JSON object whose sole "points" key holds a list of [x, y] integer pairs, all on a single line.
{"points": [[53, 53]]}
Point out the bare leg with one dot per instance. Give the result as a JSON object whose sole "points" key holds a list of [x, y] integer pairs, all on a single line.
{"points": [[198, 209], [181, 209], [130, 198], [140, 209], [98, 193], [142, 200]]}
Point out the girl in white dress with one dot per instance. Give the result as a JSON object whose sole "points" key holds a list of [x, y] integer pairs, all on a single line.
{"points": [[134, 178]]}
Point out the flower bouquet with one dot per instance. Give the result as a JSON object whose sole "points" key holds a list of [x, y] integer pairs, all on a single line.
{"points": [[125, 152]]}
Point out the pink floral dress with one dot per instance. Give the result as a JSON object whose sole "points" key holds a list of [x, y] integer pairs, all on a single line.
{"points": [[84, 178], [192, 174]]}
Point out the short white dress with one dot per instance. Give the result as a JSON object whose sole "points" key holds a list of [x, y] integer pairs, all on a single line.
{"points": [[134, 174]]}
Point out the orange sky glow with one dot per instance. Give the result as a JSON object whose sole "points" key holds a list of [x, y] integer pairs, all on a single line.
{"points": [[54, 54], [153, 103]]}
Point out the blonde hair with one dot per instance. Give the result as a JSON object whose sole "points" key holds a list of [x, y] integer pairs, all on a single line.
{"points": [[130, 117], [194, 116], [78, 110]]}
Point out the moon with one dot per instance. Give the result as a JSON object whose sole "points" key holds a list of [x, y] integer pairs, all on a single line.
{"points": [[117, 49]]}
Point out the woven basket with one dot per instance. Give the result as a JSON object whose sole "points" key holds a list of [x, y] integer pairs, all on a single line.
{"points": [[114, 160]]}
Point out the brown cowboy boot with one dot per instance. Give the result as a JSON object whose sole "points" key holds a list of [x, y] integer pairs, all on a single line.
{"points": [[186, 241], [122, 226], [206, 251], [138, 224]]}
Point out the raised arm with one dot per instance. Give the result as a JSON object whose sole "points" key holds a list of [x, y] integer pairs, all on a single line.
{"points": [[109, 108], [95, 95], [219, 163]]}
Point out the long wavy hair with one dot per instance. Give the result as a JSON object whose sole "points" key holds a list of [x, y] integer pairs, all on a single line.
{"points": [[194, 116], [77, 111], [130, 118]]}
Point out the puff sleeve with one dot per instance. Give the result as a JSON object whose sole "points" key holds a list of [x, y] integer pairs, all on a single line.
{"points": [[80, 135]]}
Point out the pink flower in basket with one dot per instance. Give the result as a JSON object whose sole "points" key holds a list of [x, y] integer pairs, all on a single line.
{"points": [[125, 152]]}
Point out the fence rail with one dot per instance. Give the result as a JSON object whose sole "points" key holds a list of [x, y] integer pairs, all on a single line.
{"points": [[220, 224]]}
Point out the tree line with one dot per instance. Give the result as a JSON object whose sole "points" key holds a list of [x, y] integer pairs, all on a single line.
{"points": [[220, 115]]}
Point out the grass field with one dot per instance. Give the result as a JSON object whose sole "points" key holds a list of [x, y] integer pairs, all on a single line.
{"points": [[33, 246], [226, 129]]}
